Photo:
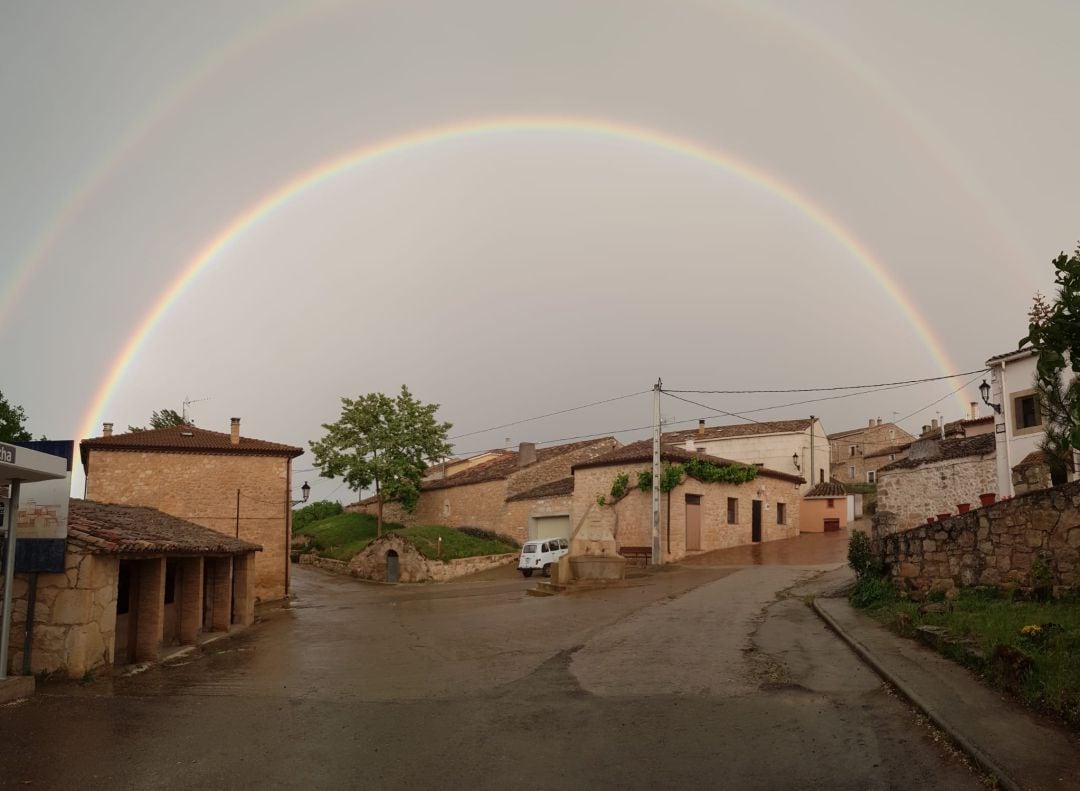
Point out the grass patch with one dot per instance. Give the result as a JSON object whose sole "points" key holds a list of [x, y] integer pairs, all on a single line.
{"points": [[343, 536], [455, 543], [1029, 648]]}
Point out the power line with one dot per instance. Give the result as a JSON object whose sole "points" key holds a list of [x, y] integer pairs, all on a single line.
{"points": [[826, 389], [710, 408], [549, 414], [947, 395]]}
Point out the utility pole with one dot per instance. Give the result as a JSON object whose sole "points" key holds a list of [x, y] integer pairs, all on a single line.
{"points": [[656, 556]]}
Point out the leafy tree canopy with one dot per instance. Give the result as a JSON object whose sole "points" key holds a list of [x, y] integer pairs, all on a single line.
{"points": [[1054, 332], [12, 422], [164, 419], [383, 441]]}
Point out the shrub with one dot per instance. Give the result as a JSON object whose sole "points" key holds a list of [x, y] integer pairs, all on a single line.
{"points": [[321, 509], [872, 591], [862, 558]]}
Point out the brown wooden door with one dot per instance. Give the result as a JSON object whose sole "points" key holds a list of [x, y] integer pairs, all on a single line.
{"points": [[693, 522], [831, 525], [755, 524]]}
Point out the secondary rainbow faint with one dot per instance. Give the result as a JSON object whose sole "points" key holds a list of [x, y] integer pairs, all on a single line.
{"points": [[296, 187]]}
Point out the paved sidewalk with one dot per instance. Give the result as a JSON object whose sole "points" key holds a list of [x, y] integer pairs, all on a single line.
{"points": [[1021, 749]]}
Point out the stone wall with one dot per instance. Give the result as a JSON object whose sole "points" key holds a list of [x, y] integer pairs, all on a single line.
{"points": [[371, 562], [632, 516], [201, 488], [915, 493], [515, 521], [74, 617], [866, 441], [995, 545]]}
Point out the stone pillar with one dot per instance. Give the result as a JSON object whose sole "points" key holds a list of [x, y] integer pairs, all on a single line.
{"points": [[191, 598], [150, 609], [244, 589], [221, 608]]}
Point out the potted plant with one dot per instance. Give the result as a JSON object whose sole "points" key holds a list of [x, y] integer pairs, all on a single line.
{"points": [[943, 517], [963, 508], [987, 498], [929, 520]]}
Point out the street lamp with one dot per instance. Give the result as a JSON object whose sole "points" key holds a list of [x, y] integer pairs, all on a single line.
{"points": [[305, 490], [984, 390], [795, 460]]}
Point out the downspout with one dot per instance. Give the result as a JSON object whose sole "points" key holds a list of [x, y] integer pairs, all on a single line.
{"points": [[1005, 417], [813, 467]]}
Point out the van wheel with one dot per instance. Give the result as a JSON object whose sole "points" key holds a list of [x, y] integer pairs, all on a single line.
{"points": [[547, 569], [526, 572]]}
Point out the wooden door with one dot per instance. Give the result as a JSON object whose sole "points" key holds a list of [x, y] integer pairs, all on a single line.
{"points": [[831, 525], [755, 526], [391, 566], [693, 522]]}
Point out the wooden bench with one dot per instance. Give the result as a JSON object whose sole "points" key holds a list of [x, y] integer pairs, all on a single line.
{"points": [[639, 556]]}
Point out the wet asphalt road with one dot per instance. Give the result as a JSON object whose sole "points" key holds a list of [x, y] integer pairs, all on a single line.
{"points": [[705, 677]]}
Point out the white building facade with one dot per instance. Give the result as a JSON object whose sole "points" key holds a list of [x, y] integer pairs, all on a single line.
{"points": [[1018, 419]]}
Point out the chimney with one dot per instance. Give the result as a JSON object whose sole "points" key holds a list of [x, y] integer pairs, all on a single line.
{"points": [[925, 430], [701, 428], [871, 425], [879, 421], [106, 429], [526, 454], [934, 425], [234, 431], [974, 410]]}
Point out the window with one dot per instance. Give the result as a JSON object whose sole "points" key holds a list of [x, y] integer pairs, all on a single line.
{"points": [[830, 503], [701, 450], [781, 514], [851, 450], [892, 457], [851, 473], [446, 508], [891, 433], [871, 476], [732, 510], [1026, 412], [821, 475]]}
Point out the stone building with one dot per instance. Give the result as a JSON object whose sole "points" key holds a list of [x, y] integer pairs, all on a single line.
{"points": [[936, 477], [237, 486], [136, 581], [857, 454], [498, 494], [798, 447], [695, 516]]}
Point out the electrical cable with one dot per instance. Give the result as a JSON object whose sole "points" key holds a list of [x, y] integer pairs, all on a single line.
{"points": [[825, 389], [549, 414]]}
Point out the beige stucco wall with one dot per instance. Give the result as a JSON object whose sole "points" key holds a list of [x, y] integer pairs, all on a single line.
{"points": [[201, 488], [816, 510], [774, 451], [74, 617], [934, 488], [633, 514]]}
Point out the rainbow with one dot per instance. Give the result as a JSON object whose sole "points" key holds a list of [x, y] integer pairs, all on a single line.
{"points": [[354, 159]]}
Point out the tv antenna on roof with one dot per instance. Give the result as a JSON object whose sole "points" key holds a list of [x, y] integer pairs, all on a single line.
{"points": [[188, 402]]}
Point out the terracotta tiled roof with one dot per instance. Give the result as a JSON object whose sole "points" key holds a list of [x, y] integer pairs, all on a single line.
{"points": [[1007, 355], [642, 451], [187, 439], [1033, 458], [831, 489], [507, 464], [738, 430], [103, 528], [980, 445], [888, 450], [563, 486]]}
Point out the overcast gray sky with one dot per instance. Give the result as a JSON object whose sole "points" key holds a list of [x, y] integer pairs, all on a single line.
{"points": [[516, 273]]}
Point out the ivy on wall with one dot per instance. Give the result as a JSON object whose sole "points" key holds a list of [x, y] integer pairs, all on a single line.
{"points": [[698, 469]]}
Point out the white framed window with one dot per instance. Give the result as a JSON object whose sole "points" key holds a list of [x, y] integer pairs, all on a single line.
{"points": [[851, 473]]}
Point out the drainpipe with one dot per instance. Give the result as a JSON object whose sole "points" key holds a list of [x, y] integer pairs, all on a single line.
{"points": [[1005, 417], [813, 467]]}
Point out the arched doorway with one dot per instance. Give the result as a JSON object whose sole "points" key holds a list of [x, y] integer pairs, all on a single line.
{"points": [[391, 566]]}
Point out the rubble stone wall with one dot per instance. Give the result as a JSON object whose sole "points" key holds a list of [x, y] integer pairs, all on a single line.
{"points": [[1001, 544], [913, 494]]}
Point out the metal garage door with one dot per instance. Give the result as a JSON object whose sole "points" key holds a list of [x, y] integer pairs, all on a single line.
{"points": [[552, 526]]}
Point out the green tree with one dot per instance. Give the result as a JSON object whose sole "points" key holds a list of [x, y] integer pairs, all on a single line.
{"points": [[383, 441], [12, 422], [166, 418], [1054, 333]]}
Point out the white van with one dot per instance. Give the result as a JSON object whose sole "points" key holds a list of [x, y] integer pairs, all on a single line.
{"points": [[540, 553]]}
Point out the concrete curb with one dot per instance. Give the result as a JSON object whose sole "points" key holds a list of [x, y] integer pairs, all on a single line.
{"points": [[1004, 780]]}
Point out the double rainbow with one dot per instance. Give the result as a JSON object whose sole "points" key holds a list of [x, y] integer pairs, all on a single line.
{"points": [[351, 161]]}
